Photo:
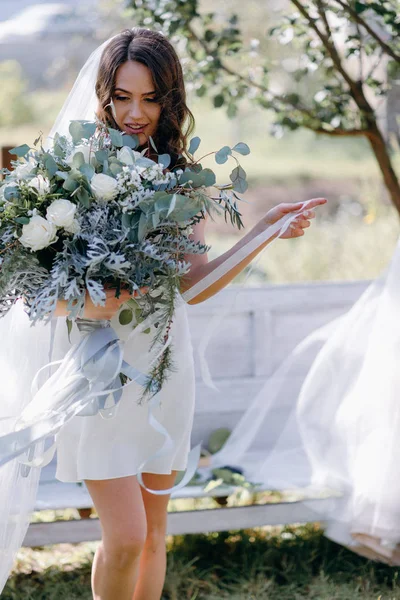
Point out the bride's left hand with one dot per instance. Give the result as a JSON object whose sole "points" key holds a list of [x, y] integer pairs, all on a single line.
{"points": [[301, 222]]}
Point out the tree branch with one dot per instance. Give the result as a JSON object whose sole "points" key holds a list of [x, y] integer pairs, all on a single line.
{"points": [[302, 109], [341, 132], [328, 43], [386, 48]]}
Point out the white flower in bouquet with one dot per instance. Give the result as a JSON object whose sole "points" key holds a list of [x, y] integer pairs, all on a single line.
{"points": [[41, 185], [61, 213], [104, 187], [80, 148], [38, 233]]}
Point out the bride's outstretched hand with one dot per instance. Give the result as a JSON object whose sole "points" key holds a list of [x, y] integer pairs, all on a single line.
{"points": [[301, 222]]}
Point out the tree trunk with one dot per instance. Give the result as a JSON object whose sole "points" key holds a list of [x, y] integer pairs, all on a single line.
{"points": [[378, 144], [382, 156]]}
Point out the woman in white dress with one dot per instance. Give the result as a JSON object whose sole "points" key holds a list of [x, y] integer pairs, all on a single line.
{"points": [[140, 90]]}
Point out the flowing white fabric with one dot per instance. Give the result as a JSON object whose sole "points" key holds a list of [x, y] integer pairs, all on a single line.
{"points": [[340, 435], [81, 102]]}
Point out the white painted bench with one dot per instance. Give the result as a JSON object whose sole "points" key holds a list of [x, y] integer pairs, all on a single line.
{"points": [[266, 325]]}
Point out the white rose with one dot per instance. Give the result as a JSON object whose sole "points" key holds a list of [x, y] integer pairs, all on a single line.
{"points": [[38, 233], [104, 187], [61, 213], [126, 155], [74, 227], [41, 184], [81, 148]]}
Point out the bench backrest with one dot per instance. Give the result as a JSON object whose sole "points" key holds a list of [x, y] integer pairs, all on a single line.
{"points": [[265, 325]]}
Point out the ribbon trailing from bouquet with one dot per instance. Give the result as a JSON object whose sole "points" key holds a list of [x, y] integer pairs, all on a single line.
{"points": [[85, 378]]}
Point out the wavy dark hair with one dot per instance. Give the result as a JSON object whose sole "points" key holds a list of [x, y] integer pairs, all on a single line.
{"points": [[153, 50]]}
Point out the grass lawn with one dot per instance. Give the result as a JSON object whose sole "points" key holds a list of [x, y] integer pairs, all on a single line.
{"points": [[289, 563]]}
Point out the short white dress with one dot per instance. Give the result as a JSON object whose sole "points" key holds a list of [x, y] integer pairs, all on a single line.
{"points": [[94, 447]]}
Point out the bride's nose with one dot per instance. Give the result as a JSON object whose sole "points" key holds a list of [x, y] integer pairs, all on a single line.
{"points": [[136, 110]]}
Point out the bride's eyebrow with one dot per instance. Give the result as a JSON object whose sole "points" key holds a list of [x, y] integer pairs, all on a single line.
{"points": [[126, 92]]}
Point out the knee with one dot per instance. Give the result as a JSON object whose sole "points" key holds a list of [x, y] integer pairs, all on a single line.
{"points": [[155, 538], [124, 549]]}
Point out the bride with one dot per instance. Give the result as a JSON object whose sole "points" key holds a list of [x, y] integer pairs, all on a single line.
{"points": [[132, 82]]}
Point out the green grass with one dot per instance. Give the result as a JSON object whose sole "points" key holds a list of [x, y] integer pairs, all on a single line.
{"points": [[289, 563]]}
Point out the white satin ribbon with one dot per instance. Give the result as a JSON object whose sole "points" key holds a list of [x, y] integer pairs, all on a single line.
{"points": [[270, 233]]}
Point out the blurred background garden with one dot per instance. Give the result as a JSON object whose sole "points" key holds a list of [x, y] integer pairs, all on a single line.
{"points": [[43, 45], [265, 78]]}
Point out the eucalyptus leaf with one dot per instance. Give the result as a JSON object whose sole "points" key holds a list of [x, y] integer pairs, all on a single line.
{"points": [[185, 208], [208, 177], [87, 170], [115, 168], [172, 205], [153, 144], [89, 129], [145, 162], [76, 131], [205, 177], [222, 155], [155, 219], [164, 160], [51, 165], [194, 145], [143, 227], [83, 197], [242, 148], [10, 192], [238, 178], [71, 184], [101, 155], [116, 137], [132, 141], [78, 160], [20, 151]]}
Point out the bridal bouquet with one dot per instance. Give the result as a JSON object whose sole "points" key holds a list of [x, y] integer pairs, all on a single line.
{"points": [[91, 212]]}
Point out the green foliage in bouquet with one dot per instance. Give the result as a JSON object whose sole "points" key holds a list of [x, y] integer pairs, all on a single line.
{"points": [[91, 212]]}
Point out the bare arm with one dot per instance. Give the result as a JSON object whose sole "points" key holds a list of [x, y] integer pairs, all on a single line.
{"points": [[201, 267]]}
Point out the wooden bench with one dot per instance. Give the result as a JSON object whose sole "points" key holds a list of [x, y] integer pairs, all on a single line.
{"points": [[264, 327]]}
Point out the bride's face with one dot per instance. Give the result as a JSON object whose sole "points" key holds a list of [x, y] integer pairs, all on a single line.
{"points": [[137, 110]]}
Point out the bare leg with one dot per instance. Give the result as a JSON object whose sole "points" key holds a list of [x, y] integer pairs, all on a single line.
{"points": [[121, 511], [153, 560]]}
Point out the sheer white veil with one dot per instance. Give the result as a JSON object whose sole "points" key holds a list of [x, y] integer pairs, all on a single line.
{"points": [[81, 102], [24, 350]]}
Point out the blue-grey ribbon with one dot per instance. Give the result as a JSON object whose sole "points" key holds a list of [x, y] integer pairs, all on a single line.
{"points": [[88, 374]]}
